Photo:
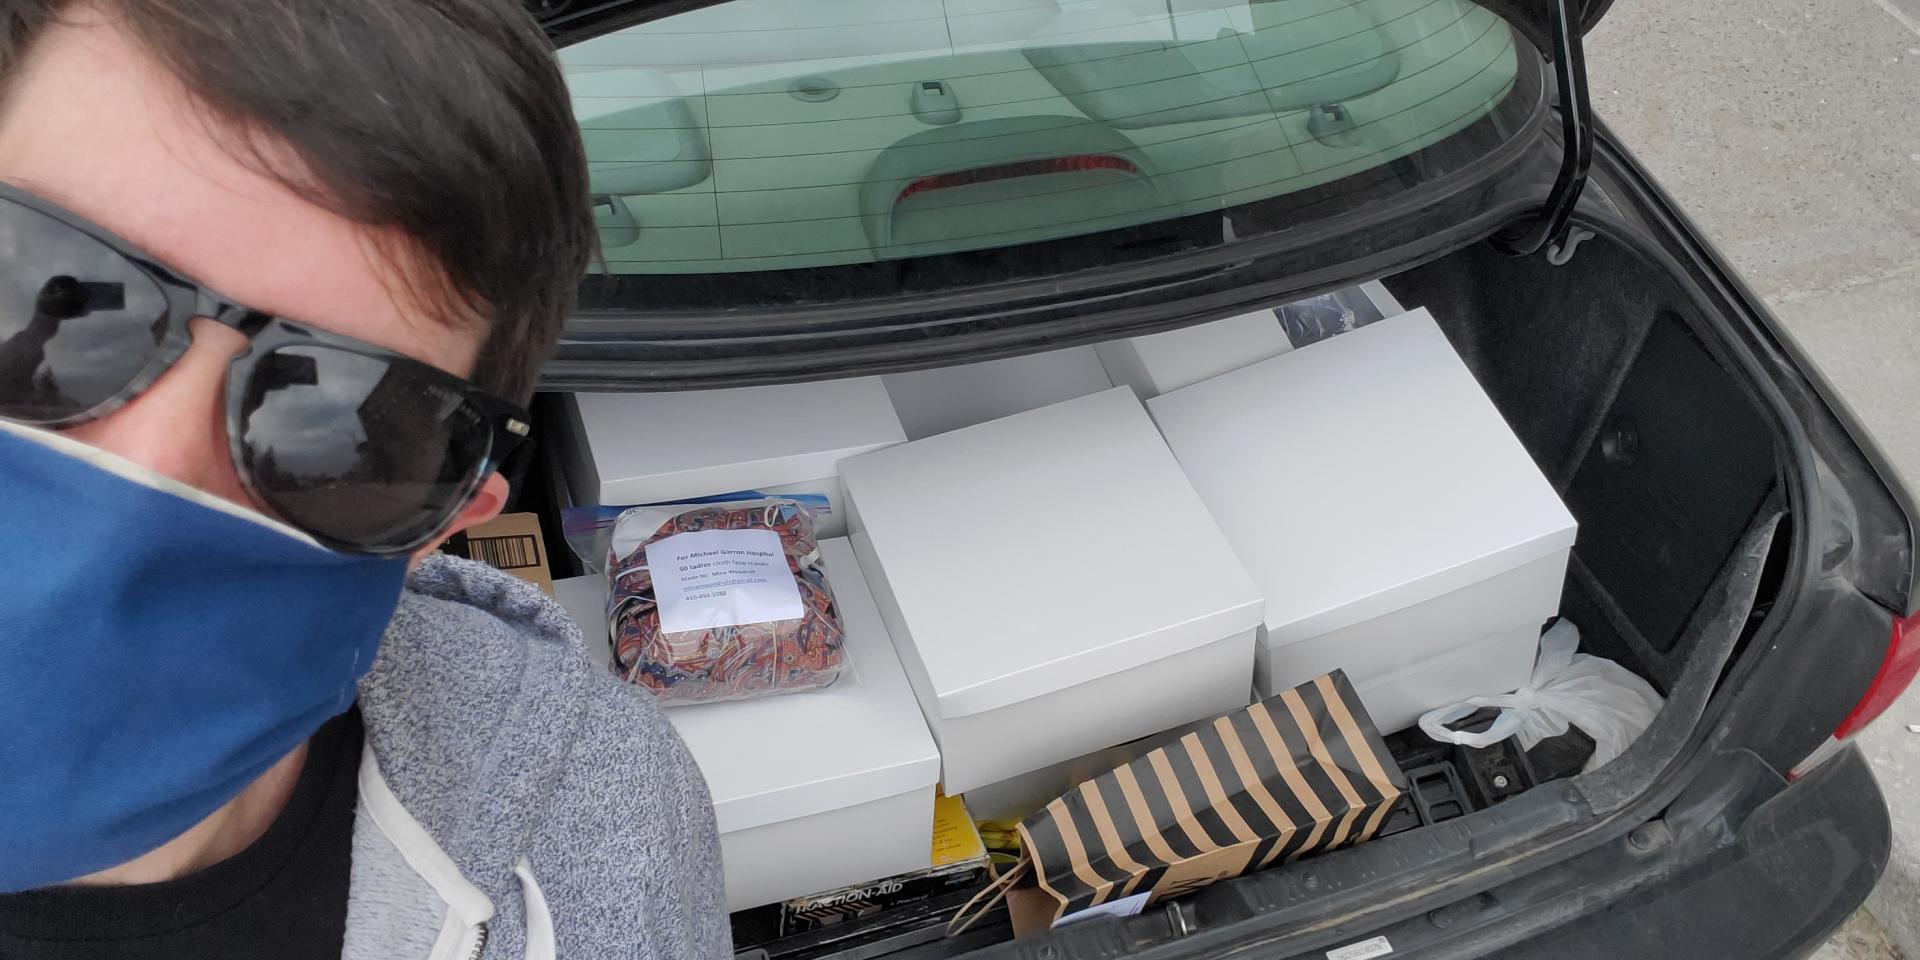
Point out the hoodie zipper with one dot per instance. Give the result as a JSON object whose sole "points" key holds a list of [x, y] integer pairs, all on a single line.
{"points": [[480, 941]]}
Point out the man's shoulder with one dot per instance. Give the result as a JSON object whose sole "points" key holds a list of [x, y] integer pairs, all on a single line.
{"points": [[502, 739], [483, 686], [449, 600], [474, 648]]}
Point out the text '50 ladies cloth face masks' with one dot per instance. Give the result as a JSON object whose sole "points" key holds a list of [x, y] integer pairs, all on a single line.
{"points": [[159, 650], [1296, 774]]}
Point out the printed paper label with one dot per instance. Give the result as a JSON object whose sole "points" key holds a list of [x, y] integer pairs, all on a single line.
{"points": [[722, 578], [1364, 950], [1123, 907]]}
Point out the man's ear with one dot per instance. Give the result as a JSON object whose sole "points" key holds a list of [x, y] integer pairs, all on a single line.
{"points": [[486, 504]]}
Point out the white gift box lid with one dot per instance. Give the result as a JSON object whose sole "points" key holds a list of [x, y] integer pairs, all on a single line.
{"points": [[1362, 474], [1159, 362], [794, 755], [940, 399], [652, 447], [1033, 553]]}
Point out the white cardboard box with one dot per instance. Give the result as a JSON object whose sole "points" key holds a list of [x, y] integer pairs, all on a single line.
{"points": [[632, 448], [1159, 362], [1396, 699], [811, 790], [1386, 510], [1053, 584], [935, 401]]}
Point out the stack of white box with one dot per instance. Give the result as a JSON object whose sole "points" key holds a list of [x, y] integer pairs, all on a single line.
{"points": [[1045, 572], [1395, 525], [814, 790]]}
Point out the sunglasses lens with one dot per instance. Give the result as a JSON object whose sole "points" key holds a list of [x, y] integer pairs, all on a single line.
{"points": [[372, 453], [79, 323]]}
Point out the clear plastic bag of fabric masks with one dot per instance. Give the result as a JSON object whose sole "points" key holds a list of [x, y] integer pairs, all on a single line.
{"points": [[721, 601]]}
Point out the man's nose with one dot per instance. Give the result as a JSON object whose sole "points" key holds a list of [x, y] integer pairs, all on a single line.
{"points": [[177, 427]]}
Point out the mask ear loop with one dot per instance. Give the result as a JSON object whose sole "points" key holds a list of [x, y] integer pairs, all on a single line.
{"points": [[998, 888], [633, 606], [770, 517]]}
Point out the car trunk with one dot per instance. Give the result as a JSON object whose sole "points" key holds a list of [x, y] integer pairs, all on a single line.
{"points": [[1630, 370], [1620, 387]]}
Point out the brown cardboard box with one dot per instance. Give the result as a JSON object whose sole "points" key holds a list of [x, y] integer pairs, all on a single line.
{"points": [[511, 542]]}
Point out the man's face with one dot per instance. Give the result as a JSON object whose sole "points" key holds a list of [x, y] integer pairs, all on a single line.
{"points": [[93, 124]]}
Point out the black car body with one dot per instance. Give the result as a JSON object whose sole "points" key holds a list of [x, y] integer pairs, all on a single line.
{"points": [[1743, 543]]}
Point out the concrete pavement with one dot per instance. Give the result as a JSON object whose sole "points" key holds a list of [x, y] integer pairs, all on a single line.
{"points": [[1790, 131]]}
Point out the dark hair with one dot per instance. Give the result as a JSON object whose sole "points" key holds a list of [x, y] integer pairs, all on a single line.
{"points": [[445, 122]]}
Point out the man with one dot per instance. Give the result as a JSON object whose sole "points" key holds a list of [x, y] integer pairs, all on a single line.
{"points": [[276, 274]]}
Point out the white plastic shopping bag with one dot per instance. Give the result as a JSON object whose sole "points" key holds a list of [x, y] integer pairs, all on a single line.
{"points": [[1605, 700]]}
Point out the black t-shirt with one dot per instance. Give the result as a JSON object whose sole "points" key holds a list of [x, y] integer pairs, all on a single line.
{"points": [[283, 898]]}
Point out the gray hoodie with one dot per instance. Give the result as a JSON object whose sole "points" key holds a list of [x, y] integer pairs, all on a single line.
{"points": [[515, 801]]}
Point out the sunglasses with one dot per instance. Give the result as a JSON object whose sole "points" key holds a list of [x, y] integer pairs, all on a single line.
{"points": [[365, 449]]}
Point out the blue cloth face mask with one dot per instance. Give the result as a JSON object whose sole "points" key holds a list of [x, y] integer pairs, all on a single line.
{"points": [[159, 650]]}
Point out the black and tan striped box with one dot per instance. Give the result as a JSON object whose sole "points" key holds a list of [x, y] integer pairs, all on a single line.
{"points": [[1298, 773]]}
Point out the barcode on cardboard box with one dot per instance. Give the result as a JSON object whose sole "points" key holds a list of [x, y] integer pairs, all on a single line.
{"points": [[1364, 950], [505, 553]]}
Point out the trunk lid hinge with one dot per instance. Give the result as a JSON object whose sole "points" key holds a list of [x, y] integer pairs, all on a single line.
{"points": [[1552, 230]]}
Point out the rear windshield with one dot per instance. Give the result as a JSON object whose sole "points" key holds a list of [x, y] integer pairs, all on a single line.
{"points": [[761, 136]]}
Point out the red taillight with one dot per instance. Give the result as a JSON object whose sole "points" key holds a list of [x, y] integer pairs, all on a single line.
{"points": [[1896, 671], [1022, 168]]}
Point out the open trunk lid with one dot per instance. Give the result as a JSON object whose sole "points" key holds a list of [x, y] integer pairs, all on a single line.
{"points": [[812, 190]]}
